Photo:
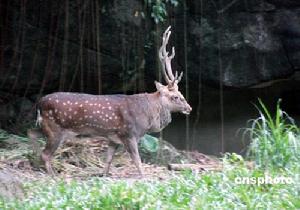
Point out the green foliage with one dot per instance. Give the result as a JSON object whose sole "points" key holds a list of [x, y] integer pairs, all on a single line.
{"points": [[216, 190], [4, 135], [149, 144], [275, 141], [159, 10], [233, 158]]}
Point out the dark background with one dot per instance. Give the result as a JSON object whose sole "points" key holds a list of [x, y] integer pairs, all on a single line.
{"points": [[231, 53]]}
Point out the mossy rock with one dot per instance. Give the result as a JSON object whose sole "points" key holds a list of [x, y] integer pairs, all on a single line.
{"points": [[160, 152]]}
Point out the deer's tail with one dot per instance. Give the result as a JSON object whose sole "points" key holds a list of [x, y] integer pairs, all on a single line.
{"points": [[38, 118]]}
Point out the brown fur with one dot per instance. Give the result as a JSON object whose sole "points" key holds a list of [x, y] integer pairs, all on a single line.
{"points": [[122, 119]]}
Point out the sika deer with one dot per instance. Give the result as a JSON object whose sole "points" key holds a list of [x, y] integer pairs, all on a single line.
{"points": [[122, 119]]}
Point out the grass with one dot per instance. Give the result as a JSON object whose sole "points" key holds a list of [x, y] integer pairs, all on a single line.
{"points": [[187, 191], [275, 141], [4, 135], [274, 148]]}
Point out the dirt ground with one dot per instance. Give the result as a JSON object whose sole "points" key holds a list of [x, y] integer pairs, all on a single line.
{"points": [[85, 158]]}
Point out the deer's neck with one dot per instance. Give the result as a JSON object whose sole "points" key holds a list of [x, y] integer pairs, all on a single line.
{"points": [[160, 115]]}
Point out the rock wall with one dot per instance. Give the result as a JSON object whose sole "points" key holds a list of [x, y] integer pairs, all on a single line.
{"points": [[64, 45], [111, 47], [250, 41]]}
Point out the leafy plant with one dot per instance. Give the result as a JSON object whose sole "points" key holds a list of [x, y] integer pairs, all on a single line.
{"points": [[159, 10], [149, 143], [233, 158], [275, 141]]}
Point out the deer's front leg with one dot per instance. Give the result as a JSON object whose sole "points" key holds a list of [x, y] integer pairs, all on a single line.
{"points": [[132, 148]]}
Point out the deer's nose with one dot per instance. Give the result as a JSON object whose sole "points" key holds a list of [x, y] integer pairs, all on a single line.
{"points": [[189, 108]]}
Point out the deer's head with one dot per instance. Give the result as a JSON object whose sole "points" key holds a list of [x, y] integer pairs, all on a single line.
{"points": [[170, 96]]}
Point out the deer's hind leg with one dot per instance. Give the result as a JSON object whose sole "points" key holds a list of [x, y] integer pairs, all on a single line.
{"points": [[54, 135], [114, 142], [34, 134], [109, 157]]}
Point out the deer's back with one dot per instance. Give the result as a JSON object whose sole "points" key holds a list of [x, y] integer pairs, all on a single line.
{"points": [[84, 112]]}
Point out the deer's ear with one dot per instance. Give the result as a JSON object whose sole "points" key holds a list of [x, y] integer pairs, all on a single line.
{"points": [[158, 85]]}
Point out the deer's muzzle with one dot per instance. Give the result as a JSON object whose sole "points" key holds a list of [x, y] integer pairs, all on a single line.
{"points": [[187, 110]]}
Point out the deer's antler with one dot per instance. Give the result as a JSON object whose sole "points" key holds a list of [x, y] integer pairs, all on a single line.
{"points": [[165, 60]]}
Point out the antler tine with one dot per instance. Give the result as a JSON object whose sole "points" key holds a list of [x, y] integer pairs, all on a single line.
{"points": [[176, 75], [163, 54], [179, 78], [173, 53], [165, 60], [166, 37]]}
